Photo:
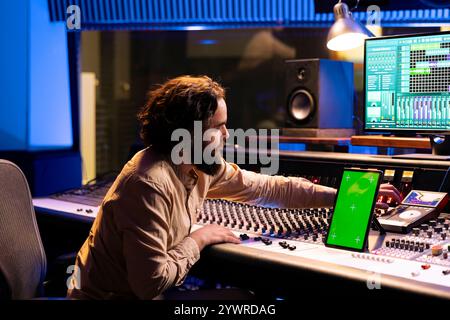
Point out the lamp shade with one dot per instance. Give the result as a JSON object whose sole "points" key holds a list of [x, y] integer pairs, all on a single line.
{"points": [[345, 33]]}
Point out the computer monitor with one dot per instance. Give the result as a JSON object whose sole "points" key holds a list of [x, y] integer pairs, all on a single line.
{"points": [[407, 83]]}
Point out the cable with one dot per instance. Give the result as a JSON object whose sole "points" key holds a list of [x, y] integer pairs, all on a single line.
{"points": [[444, 180]]}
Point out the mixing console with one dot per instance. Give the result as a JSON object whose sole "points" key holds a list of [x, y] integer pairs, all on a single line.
{"points": [[425, 244], [291, 240], [306, 224]]}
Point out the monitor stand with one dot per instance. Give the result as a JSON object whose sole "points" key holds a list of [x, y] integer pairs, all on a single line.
{"points": [[376, 225], [440, 148]]}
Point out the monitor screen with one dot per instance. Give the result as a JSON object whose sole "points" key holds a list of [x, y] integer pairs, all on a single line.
{"points": [[353, 209], [424, 198], [407, 83]]}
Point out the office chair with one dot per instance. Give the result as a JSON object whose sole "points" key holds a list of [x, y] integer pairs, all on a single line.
{"points": [[23, 264]]}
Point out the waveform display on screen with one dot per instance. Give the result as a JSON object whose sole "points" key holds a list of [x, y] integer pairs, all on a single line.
{"points": [[407, 83]]}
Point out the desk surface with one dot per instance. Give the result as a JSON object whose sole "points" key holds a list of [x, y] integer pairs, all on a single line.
{"points": [[391, 142]]}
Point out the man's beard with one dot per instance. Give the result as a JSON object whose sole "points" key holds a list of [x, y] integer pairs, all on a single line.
{"points": [[211, 169]]}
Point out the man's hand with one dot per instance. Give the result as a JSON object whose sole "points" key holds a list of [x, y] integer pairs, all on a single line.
{"points": [[212, 234], [388, 190]]}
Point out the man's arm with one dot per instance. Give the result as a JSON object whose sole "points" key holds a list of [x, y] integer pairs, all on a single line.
{"points": [[144, 215], [235, 184]]}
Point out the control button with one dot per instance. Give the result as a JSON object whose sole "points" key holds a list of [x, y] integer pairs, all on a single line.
{"points": [[244, 237], [283, 244], [436, 250], [425, 266]]}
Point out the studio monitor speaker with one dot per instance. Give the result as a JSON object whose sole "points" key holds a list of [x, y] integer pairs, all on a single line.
{"points": [[319, 94]]}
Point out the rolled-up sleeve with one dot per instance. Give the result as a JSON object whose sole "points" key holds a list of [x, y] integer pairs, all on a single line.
{"points": [[143, 215], [235, 184]]}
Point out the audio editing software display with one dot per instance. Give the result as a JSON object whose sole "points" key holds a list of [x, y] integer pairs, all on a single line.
{"points": [[407, 83]]}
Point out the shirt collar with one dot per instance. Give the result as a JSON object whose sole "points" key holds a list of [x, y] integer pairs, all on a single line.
{"points": [[186, 173]]}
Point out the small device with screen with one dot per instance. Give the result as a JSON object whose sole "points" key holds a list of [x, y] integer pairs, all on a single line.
{"points": [[353, 209], [418, 207]]}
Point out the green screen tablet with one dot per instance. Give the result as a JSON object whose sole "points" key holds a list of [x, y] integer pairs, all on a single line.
{"points": [[353, 209]]}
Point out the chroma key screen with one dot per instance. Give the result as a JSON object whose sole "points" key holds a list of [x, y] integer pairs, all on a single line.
{"points": [[353, 209]]}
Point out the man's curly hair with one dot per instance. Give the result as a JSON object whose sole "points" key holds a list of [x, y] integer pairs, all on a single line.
{"points": [[177, 104]]}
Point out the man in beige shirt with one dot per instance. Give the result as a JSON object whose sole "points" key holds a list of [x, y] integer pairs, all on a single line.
{"points": [[141, 242]]}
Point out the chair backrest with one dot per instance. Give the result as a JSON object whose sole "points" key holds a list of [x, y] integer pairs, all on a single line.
{"points": [[22, 257]]}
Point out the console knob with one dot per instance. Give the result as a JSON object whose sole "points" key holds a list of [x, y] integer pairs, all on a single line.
{"points": [[436, 250]]}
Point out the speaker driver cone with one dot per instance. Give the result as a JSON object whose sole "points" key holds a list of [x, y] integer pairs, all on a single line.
{"points": [[301, 105]]}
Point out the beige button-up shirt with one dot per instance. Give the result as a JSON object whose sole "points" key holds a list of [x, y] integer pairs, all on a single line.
{"points": [[139, 244]]}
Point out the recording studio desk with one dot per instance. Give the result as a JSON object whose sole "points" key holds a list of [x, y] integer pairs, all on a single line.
{"points": [[311, 269]]}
